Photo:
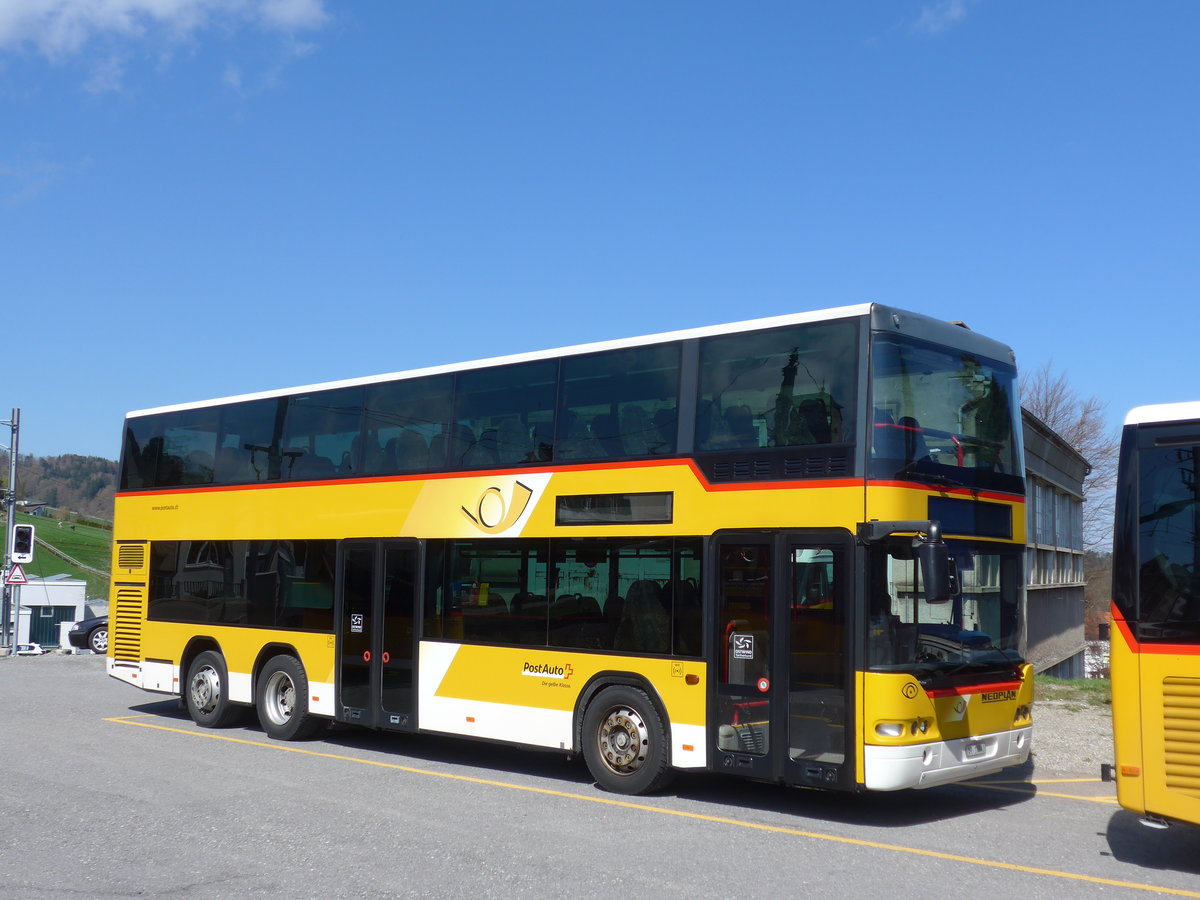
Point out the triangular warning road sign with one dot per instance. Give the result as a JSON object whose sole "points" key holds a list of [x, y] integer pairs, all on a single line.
{"points": [[16, 575]]}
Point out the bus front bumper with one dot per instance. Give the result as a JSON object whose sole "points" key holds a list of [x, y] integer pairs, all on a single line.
{"points": [[944, 762]]}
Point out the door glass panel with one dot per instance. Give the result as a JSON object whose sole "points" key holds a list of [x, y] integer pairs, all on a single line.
{"points": [[399, 600], [816, 670], [357, 584], [745, 654]]}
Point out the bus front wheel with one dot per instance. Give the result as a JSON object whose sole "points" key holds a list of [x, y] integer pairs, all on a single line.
{"points": [[207, 692], [281, 699], [625, 743]]}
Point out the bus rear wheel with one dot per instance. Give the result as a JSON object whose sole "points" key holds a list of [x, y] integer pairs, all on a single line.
{"points": [[207, 692], [625, 743], [281, 699]]}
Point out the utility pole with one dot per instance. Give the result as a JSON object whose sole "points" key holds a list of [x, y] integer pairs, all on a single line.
{"points": [[12, 594]]}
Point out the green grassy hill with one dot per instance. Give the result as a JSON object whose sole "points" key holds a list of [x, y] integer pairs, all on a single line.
{"points": [[86, 544]]}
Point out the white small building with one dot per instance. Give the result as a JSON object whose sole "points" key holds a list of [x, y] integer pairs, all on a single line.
{"points": [[46, 602]]}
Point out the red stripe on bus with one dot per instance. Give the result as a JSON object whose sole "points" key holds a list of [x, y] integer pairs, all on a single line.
{"points": [[588, 467], [418, 476], [964, 690], [1136, 646]]}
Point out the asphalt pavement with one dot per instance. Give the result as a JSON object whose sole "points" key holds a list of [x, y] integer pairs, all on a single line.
{"points": [[107, 791]]}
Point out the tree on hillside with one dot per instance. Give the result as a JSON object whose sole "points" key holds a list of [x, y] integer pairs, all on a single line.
{"points": [[1080, 422], [84, 484]]}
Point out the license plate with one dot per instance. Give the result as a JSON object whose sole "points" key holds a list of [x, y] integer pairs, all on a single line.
{"points": [[975, 749]]}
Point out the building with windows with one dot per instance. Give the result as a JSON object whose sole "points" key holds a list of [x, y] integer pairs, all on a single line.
{"points": [[1054, 593]]}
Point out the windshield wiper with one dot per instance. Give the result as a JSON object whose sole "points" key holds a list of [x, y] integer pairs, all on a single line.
{"points": [[910, 470], [1013, 664]]}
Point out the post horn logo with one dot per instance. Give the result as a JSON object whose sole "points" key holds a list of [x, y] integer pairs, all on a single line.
{"points": [[493, 514]]}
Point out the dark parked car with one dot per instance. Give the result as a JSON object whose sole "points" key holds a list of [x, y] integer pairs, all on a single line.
{"points": [[90, 634]]}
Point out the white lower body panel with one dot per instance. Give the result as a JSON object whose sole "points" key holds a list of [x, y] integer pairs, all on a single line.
{"points": [[480, 718], [164, 678], [517, 723], [928, 765]]}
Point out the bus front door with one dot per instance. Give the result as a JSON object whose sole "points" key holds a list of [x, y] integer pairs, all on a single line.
{"points": [[814, 601], [781, 691], [745, 707], [377, 596]]}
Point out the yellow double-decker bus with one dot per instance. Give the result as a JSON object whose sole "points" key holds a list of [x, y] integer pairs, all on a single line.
{"points": [[788, 549], [1155, 643]]}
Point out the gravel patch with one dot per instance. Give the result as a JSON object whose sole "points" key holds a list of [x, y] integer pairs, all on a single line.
{"points": [[1070, 740]]}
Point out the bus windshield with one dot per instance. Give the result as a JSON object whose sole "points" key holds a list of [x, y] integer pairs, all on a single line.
{"points": [[943, 415], [976, 631], [1168, 522]]}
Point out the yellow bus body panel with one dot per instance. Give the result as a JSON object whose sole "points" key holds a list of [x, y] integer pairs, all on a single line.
{"points": [[972, 712], [889, 502], [1156, 727], [483, 505], [553, 679]]}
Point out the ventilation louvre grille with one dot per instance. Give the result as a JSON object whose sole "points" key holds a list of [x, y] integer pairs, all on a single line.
{"points": [[1181, 734], [126, 633], [815, 466], [131, 556], [742, 470], [773, 468]]}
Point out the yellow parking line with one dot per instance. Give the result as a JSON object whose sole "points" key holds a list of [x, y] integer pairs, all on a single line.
{"points": [[1031, 790], [627, 804], [1067, 781], [1048, 781]]}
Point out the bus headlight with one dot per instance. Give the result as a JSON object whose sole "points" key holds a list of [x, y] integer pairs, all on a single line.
{"points": [[889, 729]]}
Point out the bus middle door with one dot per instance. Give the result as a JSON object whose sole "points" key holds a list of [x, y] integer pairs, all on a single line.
{"points": [[377, 597]]}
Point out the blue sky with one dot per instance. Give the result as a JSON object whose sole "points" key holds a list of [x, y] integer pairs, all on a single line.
{"points": [[209, 197]]}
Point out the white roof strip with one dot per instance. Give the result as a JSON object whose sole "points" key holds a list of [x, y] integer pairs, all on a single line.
{"points": [[841, 312], [1163, 412]]}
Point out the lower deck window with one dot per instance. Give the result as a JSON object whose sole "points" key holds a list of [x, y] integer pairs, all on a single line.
{"points": [[271, 584], [632, 596]]}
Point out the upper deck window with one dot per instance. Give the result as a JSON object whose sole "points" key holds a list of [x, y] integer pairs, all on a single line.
{"points": [[943, 415], [175, 448], [504, 416], [780, 388], [620, 403], [402, 420]]}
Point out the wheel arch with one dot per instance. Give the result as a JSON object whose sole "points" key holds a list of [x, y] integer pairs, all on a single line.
{"points": [[269, 652], [194, 647], [602, 680]]}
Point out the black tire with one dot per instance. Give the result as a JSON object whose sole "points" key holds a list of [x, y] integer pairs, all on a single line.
{"points": [[97, 640], [207, 692], [281, 698], [625, 743]]}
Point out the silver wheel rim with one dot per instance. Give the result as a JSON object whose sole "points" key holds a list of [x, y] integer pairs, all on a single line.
{"points": [[205, 689], [100, 641], [624, 740], [279, 698]]}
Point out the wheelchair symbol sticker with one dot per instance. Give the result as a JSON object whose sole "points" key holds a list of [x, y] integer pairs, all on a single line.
{"points": [[743, 646]]}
